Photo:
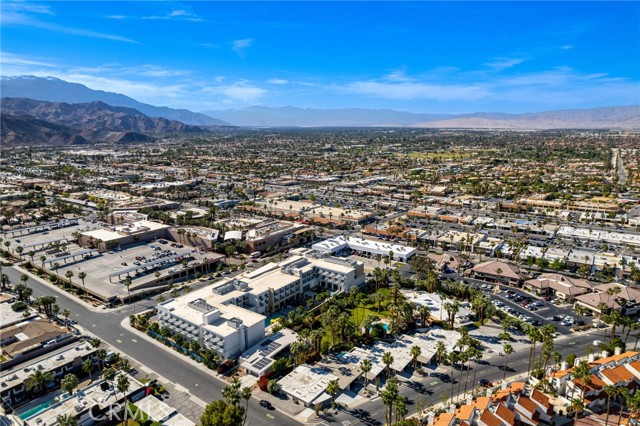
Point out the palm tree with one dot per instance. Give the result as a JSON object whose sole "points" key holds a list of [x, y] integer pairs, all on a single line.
{"points": [[122, 386], [424, 312], [69, 274], [109, 374], [365, 367], [101, 354], [87, 367], [38, 381], [453, 358], [441, 351], [65, 314], [127, 283], [508, 350], [95, 342], [82, 275], [389, 397], [387, 360], [69, 383], [415, 353], [66, 420], [612, 392], [333, 387], [245, 394], [401, 408], [576, 405]]}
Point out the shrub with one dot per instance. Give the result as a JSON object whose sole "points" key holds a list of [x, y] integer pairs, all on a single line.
{"points": [[19, 306], [571, 358], [225, 366]]}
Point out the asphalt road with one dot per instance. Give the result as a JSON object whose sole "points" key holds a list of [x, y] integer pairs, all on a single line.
{"points": [[106, 325]]}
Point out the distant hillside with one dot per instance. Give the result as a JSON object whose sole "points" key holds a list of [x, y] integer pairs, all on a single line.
{"points": [[594, 118], [55, 90], [28, 121], [94, 115], [302, 117], [610, 117], [26, 130]]}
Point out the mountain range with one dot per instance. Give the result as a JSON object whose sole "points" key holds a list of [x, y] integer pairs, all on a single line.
{"points": [[29, 121], [56, 90]]}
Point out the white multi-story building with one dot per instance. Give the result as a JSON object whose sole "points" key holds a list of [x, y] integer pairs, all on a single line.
{"points": [[228, 316]]}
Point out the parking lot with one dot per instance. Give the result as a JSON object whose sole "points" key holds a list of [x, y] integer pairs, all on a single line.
{"points": [[527, 307], [144, 263]]}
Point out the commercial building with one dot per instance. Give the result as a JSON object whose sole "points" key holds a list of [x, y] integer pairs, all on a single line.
{"points": [[228, 316], [369, 248]]}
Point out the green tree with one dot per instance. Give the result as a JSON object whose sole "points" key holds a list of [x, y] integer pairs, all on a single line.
{"points": [[66, 420], [577, 406], [38, 381], [387, 360], [221, 413], [389, 397], [122, 386], [508, 350], [245, 393], [87, 367], [415, 353], [333, 387], [365, 367], [69, 383], [612, 392], [82, 275], [273, 387]]}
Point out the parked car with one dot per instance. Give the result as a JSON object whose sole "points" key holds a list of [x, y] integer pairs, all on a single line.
{"points": [[485, 383], [264, 403]]}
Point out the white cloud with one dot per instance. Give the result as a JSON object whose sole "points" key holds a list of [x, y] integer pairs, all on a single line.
{"points": [[566, 47], [8, 58], [20, 19], [28, 7], [239, 46], [500, 64], [408, 90], [277, 81], [239, 92]]}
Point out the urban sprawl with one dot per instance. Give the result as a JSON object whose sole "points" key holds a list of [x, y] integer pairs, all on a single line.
{"points": [[323, 276]]}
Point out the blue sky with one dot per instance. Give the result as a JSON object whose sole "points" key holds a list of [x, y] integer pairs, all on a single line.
{"points": [[418, 56]]}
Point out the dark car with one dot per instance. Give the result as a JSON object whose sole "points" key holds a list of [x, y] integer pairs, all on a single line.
{"points": [[264, 403], [485, 383], [557, 318]]}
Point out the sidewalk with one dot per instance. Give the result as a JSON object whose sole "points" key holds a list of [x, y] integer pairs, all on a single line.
{"points": [[286, 408], [76, 299]]}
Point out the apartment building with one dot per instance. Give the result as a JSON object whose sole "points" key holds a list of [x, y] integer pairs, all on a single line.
{"points": [[228, 316], [64, 361]]}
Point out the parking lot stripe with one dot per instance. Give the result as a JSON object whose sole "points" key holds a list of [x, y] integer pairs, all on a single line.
{"points": [[134, 340], [118, 340], [270, 416]]}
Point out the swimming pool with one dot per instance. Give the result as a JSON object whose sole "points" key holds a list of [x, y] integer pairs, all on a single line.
{"points": [[35, 410], [383, 324], [50, 400]]}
